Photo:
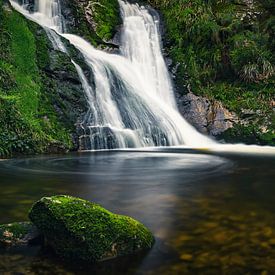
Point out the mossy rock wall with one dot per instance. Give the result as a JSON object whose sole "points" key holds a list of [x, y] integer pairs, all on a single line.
{"points": [[95, 20], [42, 103], [41, 97]]}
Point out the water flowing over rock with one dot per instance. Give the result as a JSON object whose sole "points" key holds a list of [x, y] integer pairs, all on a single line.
{"points": [[130, 96]]}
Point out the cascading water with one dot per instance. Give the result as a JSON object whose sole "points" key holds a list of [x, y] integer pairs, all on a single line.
{"points": [[131, 98], [141, 45]]}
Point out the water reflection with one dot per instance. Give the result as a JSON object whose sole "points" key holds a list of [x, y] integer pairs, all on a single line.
{"points": [[210, 214]]}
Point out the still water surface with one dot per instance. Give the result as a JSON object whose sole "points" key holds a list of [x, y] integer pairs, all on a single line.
{"points": [[209, 214]]}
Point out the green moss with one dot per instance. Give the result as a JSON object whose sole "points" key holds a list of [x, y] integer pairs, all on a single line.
{"points": [[78, 229], [249, 134], [14, 233], [28, 122], [105, 16], [42, 44]]}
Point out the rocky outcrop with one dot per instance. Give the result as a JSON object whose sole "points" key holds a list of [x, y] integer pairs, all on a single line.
{"points": [[83, 231], [210, 117], [207, 116], [62, 87], [96, 21]]}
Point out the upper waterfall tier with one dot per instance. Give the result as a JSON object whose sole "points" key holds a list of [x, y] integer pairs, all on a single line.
{"points": [[131, 95]]}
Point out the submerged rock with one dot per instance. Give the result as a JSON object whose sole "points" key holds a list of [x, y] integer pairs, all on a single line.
{"points": [[81, 230], [21, 233]]}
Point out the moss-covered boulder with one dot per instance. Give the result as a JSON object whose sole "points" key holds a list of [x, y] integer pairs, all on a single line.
{"points": [[80, 230], [19, 233]]}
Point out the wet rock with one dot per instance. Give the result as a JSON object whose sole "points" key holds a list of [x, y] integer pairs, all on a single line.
{"points": [[63, 87], [15, 234], [80, 230], [208, 117], [85, 142]]}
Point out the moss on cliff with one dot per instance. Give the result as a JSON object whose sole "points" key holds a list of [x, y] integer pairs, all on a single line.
{"points": [[80, 230], [96, 21], [28, 121], [106, 16]]}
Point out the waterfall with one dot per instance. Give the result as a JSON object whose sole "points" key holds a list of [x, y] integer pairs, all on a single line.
{"points": [[131, 99], [141, 44]]}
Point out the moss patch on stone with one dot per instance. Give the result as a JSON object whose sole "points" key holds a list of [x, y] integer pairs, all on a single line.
{"points": [[96, 21], [15, 233], [81, 230]]}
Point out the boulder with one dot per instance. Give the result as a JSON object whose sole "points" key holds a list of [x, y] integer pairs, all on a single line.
{"points": [[77, 229]]}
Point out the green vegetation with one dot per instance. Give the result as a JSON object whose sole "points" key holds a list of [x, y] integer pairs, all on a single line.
{"points": [[81, 230], [225, 51], [106, 16], [28, 123], [96, 21], [14, 233]]}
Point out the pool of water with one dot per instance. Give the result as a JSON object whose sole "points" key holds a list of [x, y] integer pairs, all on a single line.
{"points": [[210, 214]]}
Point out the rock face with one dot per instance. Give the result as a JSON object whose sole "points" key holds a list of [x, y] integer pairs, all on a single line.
{"points": [[80, 230], [21, 233], [208, 117], [96, 21], [62, 86]]}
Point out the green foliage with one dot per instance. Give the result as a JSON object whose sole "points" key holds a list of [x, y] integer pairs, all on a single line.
{"points": [[223, 50], [250, 57], [80, 230], [16, 135], [7, 80], [241, 96], [249, 134], [104, 15], [23, 127], [215, 41]]}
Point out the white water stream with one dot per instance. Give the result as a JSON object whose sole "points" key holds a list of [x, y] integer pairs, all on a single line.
{"points": [[132, 103]]}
